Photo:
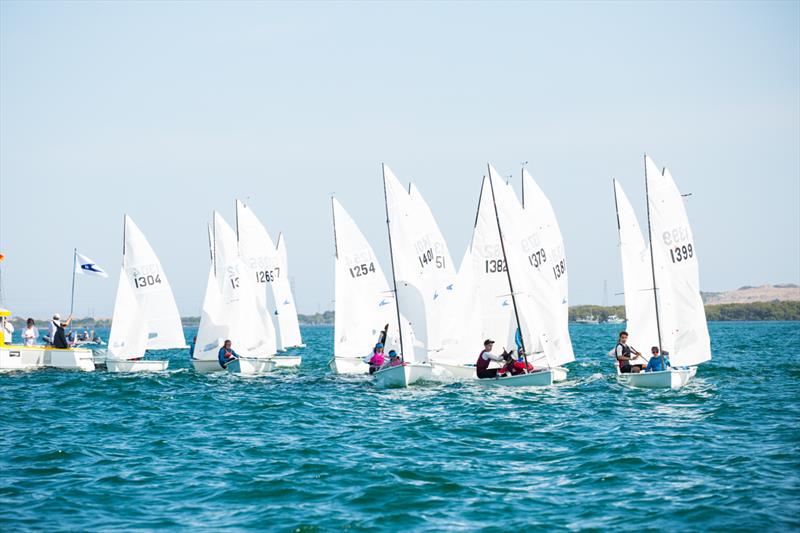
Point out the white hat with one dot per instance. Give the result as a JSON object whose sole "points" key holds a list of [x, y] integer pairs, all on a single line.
{"points": [[56, 317]]}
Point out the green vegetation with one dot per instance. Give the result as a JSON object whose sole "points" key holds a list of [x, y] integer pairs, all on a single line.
{"points": [[598, 311], [317, 319], [775, 310]]}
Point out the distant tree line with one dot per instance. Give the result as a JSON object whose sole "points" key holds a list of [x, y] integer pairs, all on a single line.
{"points": [[775, 310]]}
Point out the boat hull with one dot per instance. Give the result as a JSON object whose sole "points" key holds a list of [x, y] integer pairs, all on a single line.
{"points": [[251, 366], [541, 378], [348, 365], [450, 371], [144, 365], [559, 373], [206, 366], [403, 375], [673, 378], [33, 357], [287, 361]]}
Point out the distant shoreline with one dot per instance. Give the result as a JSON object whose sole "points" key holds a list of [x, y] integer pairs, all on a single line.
{"points": [[776, 311]]}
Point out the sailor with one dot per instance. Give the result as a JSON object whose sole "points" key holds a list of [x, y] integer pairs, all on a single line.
{"points": [[655, 364], [376, 359], [59, 338], [486, 357], [623, 354], [30, 333], [394, 359], [226, 355], [6, 330], [191, 347]]}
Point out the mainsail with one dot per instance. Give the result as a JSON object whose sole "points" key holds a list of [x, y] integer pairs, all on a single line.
{"points": [[145, 314], [285, 309]]}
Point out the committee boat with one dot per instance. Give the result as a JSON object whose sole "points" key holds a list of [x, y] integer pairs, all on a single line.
{"points": [[231, 310], [145, 314], [663, 305], [20, 357]]}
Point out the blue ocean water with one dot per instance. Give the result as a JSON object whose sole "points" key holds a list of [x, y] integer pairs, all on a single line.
{"points": [[308, 451]]}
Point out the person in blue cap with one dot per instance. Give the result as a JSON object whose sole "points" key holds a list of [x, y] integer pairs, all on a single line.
{"points": [[376, 360]]}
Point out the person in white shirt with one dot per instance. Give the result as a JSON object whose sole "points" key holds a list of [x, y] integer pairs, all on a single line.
{"points": [[485, 358], [30, 333], [6, 330]]}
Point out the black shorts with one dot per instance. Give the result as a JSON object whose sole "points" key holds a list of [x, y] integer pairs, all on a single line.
{"points": [[488, 373], [626, 368]]}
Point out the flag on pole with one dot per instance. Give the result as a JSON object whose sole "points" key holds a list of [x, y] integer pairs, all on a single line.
{"points": [[84, 265]]}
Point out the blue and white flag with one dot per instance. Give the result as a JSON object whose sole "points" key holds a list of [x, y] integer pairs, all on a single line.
{"points": [[84, 265]]}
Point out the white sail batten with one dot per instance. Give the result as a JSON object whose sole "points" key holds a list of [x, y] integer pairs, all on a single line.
{"points": [[285, 308], [684, 330], [145, 314], [364, 302], [636, 275]]}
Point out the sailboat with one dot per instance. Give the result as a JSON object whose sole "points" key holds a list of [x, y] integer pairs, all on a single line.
{"points": [[662, 283], [420, 269], [145, 315], [231, 310], [285, 308], [364, 303], [265, 264], [521, 253], [550, 279]]}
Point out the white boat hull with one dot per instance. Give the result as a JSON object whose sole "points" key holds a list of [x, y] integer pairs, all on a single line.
{"points": [[673, 378], [449, 371], [403, 375], [348, 365], [251, 366], [287, 361], [559, 373], [33, 357], [206, 366], [541, 378], [143, 365]]}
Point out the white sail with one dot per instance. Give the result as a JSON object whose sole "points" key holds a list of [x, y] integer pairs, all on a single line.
{"points": [[637, 276], [421, 258], [145, 314], [285, 308], [230, 308], [364, 303], [525, 255], [463, 333], [258, 253], [684, 330], [495, 305], [550, 278]]}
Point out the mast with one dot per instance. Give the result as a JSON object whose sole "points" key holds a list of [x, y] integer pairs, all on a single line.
{"points": [[391, 258], [74, 266], [335, 241], [214, 241], [652, 262], [508, 271]]}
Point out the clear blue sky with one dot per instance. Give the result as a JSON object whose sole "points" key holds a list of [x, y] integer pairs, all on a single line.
{"points": [[166, 111]]}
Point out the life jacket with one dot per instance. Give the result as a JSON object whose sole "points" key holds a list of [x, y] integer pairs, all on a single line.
{"points": [[482, 363], [377, 359], [626, 351]]}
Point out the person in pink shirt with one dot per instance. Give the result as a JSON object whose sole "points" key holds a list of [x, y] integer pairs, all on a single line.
{"points": [[377, 359], [394, 359]]}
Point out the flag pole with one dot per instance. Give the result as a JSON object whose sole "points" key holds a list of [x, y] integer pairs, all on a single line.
{"points": [[74, 264]]}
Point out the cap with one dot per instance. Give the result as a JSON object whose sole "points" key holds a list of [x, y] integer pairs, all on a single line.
{"points": [[379, 345], [488, 341], [56, 317], [392, 353]]}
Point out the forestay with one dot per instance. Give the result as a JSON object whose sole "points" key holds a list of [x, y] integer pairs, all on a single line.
{"points": [[145, 314], [364, 302], [684, 330], [421, 259]]}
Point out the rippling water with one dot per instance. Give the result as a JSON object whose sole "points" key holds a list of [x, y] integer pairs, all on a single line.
{"points": [[306, 450]]}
